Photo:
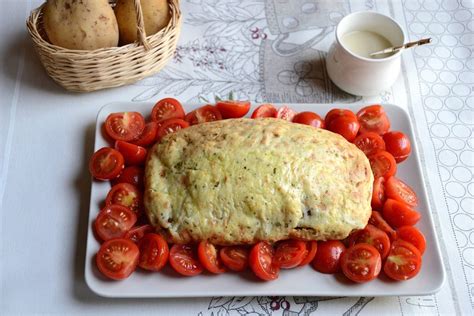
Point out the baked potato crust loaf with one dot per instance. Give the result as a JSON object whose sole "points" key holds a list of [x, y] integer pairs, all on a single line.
{"points": [[244, 180]]}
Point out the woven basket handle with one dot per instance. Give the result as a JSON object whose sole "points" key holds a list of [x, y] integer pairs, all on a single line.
{"points": [[141, 34]]}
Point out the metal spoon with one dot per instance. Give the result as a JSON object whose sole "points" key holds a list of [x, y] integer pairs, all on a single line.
{"points": [[404, 46]]}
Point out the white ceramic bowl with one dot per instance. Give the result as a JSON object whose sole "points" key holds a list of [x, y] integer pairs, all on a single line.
{"points": [[359, 75]]}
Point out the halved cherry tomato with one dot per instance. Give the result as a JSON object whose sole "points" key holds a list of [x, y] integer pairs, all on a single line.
{"points": [[127, 195], [398, 190], [106, 164], [373, 236], [154, 252], [413, 236], [170, 126], [132, 175], [383, 164], [261, 261], [265, 110], [183, 259], [334, 113], [235, 257], [398, 145], [398, 214], [377, 220], [148, 136], [310, 253], [117, 258], [309, 118], [285, 113], [167, 108], [289, 253], [344, 125], [372, 118], [136, 233], [327, 259], [206, 113], [378, 193], [361, 263], [369, 143], [233, 109], [133, 154], [125, 126], [209, 257], [403, 261], [113, 221]]}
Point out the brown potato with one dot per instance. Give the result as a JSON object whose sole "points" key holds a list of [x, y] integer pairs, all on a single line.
{"points": [[155, 15], [81, 24]]}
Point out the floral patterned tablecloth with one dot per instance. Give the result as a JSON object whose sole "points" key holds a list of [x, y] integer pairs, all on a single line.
{"points": [[263, 50]]}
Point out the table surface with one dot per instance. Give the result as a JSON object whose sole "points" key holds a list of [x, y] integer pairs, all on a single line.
{"points": [[264, 50]]}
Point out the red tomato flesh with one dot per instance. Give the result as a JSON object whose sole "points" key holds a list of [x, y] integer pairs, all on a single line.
{"points": [[327, 259], [167, 108], [154, 252], [265, 110], [148, 136], [132, 154], [369, 143], [398, 190], [373, 236], [183, 259], [413, 236], [377, 220], [373, 119], [378, 193], [127, 195], [113, 221], [106, 164], [235, 257], [233, 109], [132, 175], [289, 253], [310, 253], [285, 113], [309, 118], [170, 126], [383, 164], [117, 258], [125, 126], [136, 233], [398, 145], [403, 261], [398, 214], [208, 256], [206, 113], [361, 263], [261, 261]]}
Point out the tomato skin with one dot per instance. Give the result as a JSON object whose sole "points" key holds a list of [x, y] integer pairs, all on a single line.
{"points": [[148, 136], [132, 154], [127, 195], [117, 258], [334, 113], [373, 236], [170, 126], [183, 259], [412, 235], [132, 175], [285, 113], [378, 193], [403, 261], [289, 253], [373, 118], [233, 109], [154, 252], [344, 125], [309, 118], [206, 113], [327, 259], [377, 220], [209, 258], [361, 263], [265, 110], [370, 143], [398, 214], [398, 144], [261, 261], [138, 232], [113, 221], [383, 164], [310, 253], [106, 163], [398, 190], [167, 108], [125, 126], [235, 258]]}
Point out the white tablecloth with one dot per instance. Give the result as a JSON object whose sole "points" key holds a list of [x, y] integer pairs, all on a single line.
{"points": [[256, 48]]}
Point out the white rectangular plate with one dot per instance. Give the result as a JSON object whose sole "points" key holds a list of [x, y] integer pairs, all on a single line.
{"points": [[302, 281]]}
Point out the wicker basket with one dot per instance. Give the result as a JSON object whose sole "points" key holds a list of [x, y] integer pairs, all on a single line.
{"points": [[89, 70]]}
